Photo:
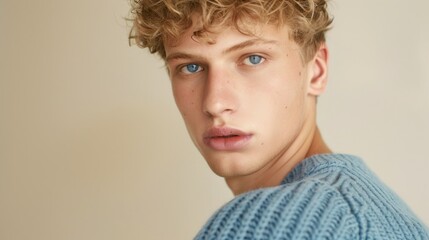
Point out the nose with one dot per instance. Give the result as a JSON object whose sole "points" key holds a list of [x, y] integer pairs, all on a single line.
{"points": [[220, 94]]}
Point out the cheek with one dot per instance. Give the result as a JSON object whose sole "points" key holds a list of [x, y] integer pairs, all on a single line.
{"points": [[186, 100], [286, 104]]}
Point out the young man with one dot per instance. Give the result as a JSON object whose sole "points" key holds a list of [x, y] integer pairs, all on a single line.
{"points": [[246, 76]]}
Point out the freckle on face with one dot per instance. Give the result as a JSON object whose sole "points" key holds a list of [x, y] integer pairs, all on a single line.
{"points": [[256, 100]]}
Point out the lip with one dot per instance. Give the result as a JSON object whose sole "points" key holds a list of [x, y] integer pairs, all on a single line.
{"points": [[226, 139]]}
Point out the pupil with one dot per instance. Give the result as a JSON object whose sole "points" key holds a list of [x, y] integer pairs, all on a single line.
{"points": [[192, 67], [255, 59]]}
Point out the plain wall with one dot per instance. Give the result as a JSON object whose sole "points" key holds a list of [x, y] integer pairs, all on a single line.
{"points": [[92, 146]]}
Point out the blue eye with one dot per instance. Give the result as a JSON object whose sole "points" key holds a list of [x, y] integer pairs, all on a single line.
{"points": [[191, 68], [254, 60]]}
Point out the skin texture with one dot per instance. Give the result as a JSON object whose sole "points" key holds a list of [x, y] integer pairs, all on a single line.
{"points": [[257, 88]]}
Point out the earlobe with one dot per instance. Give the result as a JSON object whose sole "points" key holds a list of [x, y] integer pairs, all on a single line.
{"points": [[319, 70]]}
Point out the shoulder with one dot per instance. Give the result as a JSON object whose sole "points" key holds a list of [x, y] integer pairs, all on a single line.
{"points": [[379, 212], [304, 209], [325, 197]]}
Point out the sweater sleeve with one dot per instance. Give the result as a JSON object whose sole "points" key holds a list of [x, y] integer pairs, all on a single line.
{"points": [[301, 210]]}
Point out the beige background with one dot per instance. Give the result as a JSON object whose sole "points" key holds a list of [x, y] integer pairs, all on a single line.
{"points": [[92, 147]]}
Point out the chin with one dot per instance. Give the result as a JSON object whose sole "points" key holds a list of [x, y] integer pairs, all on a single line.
{"points": [[230, 167]]}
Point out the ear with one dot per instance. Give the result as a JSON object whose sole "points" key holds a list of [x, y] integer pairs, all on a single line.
{"points": [[318, 71]]}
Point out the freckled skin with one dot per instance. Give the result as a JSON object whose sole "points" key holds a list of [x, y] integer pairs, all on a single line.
{"points": [[271, 96]]}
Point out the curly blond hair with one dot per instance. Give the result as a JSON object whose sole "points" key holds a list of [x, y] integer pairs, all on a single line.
{"points": [[156, 21]]}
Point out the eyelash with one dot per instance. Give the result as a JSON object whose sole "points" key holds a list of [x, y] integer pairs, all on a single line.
{"points": [[261, 60], [246, 61], [184, 68]]}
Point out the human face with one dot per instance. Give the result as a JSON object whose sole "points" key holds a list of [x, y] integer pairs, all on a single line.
{"points": [[244, 99]]}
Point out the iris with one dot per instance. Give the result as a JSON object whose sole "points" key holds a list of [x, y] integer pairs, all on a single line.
{"points": [[192, 68], [254, 60]]}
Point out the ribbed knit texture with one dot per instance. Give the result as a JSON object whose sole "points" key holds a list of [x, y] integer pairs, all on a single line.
{"points": [[329, 196]]}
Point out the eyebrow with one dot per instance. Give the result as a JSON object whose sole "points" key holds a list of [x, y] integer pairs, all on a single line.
{"points": [[237, 47], [248, 43]]}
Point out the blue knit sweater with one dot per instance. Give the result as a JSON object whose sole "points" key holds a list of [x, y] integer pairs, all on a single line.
{"points": [[329, 196]]}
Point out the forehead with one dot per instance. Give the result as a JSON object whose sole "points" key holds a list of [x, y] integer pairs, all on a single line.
{"points": [[224, 36], [203, 33]]}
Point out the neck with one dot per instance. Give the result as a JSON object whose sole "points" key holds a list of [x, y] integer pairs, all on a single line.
{"points": [[309, 143]]}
